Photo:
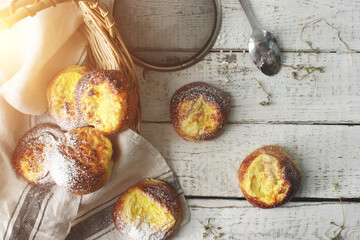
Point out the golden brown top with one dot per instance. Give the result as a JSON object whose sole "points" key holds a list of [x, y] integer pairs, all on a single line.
{"points": [[106, 100], [82, 160], [87, 146]]}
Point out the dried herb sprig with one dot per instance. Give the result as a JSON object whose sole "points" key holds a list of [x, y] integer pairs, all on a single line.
{"points": [[268, 95], [317, 50], [209, 229], [307, 70], [340, 227]]}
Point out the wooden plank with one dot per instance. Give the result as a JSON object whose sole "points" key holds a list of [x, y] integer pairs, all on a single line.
{"points": [[325, 155], [333, 98], [284, 19], [239, 220]]}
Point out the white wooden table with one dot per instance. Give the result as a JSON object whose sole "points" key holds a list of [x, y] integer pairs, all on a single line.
{"points": [[316, 122]]}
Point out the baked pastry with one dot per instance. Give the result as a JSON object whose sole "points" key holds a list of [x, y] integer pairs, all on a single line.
{"points": [[148, 210], [269, 177], [106, 100], [31, 155], [60, 95], [81, 161], [199, 111]]}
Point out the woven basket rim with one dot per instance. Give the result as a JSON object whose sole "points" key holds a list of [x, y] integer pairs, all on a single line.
{"points": [[106, 51]]}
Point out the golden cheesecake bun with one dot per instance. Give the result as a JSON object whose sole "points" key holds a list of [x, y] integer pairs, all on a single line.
{"points": [[60, 95], [269, 177], [199, 111], [106, 100], [150, 209], [81, 161], [31, 155]]}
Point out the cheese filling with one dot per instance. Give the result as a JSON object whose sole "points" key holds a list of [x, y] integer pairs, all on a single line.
{"points": [[263, 180], [199, 117], [142, 210], [103, 107], [32, 163], [62, 94]]}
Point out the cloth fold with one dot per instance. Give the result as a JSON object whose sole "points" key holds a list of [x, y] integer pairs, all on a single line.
{"points": [[32, 51], [30, 55]]}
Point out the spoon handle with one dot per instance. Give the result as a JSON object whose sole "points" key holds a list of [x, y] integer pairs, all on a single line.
{"points": [[250, 16]]}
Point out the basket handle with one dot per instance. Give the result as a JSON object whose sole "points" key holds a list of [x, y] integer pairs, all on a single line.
{"points": [[20, 9]]}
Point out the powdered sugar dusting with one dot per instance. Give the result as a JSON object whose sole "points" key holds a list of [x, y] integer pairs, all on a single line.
{"points": [[81, 161], [131, 214], [143, 231], [32, 152], [66, 126], [72, 124], [62, 170]]}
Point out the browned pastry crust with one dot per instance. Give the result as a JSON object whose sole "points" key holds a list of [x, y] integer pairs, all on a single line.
{"points": [[269, 177], [31, 155], [199, 111], [106, 100], [81, 161], [60, 95], [149, 209]]}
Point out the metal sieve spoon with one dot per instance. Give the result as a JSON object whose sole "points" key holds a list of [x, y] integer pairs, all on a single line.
{"points": [[263, 47]]}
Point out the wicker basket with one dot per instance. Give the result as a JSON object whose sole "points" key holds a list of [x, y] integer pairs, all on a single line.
{"points": [[106, 49]]}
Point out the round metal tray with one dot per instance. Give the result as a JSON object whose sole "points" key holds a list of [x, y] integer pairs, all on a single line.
{"points": [[168, 35]]}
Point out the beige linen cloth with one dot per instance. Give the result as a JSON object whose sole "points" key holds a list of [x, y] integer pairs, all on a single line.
{"points": [[30, 54]]}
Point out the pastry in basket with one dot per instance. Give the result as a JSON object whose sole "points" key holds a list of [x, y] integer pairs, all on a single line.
{"points": [[199, 111], [60, 95], [106, 100], [148, 210], [81, 161], [269, 177], [31, 155]]}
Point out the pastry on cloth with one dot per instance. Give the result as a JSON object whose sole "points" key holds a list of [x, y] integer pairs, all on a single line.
{"points": [[60, 95], [199, 111], [269, 177], [106, 100], [81, 161], [148, 210], [31, 155]]}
